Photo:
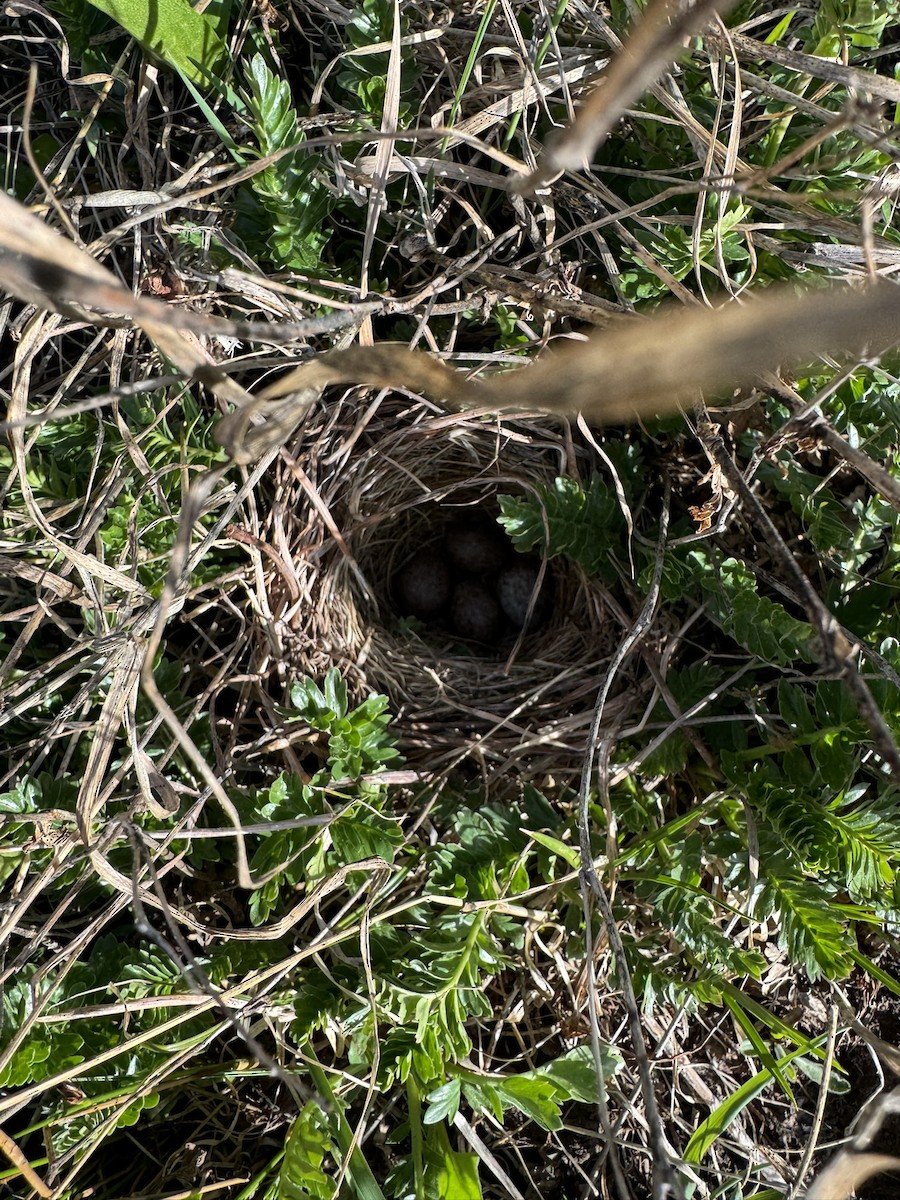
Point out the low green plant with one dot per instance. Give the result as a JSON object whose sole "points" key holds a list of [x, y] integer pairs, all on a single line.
{"points": [[403, 1013], [750, 821], [363, 76], [295, 204], [795, 792]]}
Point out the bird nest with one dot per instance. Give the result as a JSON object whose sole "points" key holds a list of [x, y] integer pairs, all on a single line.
{"points": [[368, 484]]}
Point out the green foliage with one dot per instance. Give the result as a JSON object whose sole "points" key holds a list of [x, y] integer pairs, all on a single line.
{"points": [[862, 23], [731, 592], [586, 525], [512, 337], [484, 851], [69, 1039], [674, 250], [136, 523], [359, 741], [295, 203], [84, 23], [811, 929], [433, 973], [827, 523], [762, 626], [172, 31], [364, 76], [291, 856], [309, 1144], [538, 1094], [768, 822]]}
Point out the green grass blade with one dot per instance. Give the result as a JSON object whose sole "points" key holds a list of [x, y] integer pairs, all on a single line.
{"points": [[873, 969], [361, 1183], [472, 59], [762, 1050], [777, 1026], [720, 1118]]}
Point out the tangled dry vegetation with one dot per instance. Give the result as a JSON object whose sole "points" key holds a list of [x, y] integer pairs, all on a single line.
{"points": [[303, 895]]}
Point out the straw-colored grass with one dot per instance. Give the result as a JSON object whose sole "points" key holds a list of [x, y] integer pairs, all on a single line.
{"points": [[370, 481], [209, 936]]}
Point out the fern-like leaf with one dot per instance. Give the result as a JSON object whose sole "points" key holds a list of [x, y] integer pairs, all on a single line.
{"points": [[764, 628], [811, 929], [583, 524]]}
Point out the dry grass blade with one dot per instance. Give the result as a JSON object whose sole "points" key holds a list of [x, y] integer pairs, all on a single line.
{"points": [[889, 1055], [847, 1172], [638, 369], [382, 154], [167, 615], [881, 86], [654, 44], [46, 269], [18, 1159], [42, 267]]}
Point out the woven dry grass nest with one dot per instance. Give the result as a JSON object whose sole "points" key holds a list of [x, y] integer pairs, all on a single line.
{"points": [[373, 480]]}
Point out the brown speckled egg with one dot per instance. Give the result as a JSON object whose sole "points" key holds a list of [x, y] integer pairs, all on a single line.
{"points": [[474, 611], [422, 585], [515, 586], [476, 546]]}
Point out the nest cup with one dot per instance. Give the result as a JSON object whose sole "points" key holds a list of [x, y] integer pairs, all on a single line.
{"points": [[379, 480]]}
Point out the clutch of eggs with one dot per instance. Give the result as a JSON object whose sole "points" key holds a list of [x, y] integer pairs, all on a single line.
{"points": [[473, 584]]}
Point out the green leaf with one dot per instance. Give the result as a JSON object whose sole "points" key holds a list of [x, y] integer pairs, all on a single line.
{"points": [[763, 627], [778, 1027], [582, 524], [458, 1177], [308, 1144], [173, 31], [295, 205], [361, 1181], [812, 930], [359, 740], [574, 1073], [535, 1097], [872, 968], [361, 833], [442, 1103], [719, 1119], [483, 1097], [813, 1069], [568, 853], [762, 1050]]}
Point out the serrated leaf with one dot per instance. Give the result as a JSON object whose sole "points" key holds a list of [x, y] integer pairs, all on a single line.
{"points": [[483, 1097], [361, 833], [812, 931], [763, 627], [794, 708], [583, 524]]}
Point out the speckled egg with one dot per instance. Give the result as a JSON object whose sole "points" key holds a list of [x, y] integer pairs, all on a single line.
{"points": [[515, 586], [477, 546], [474, 611], [422, 585]]}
